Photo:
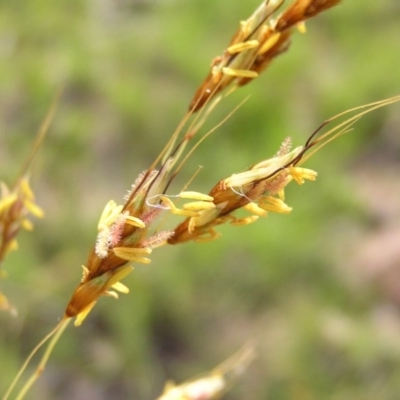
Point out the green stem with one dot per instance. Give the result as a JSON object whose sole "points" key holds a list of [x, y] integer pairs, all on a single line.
{"points": [[58, 331], [43, 361]]}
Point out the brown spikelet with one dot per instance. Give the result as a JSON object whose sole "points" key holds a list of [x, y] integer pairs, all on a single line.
{"points": [[124, 235], [264, 58], [259, 39], [301, 10], [251, 189]]}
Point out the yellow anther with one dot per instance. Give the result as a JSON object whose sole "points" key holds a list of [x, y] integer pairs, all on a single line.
{"points": [[135, 222], [133, 254], [109, 214], [244, 221], [83, 314], [120, 287], [198, 206], [7, 201], [195, 196], [205, 217], [274, 204], [270, 42], [120, 273], [26, 189], [85, 273], [239, 73], [34, 209], [208, 236], [112, 294], [302, 174], [245, 28], [239, 47], [281, 194], [255, 209], [247, 177], [27, 225], [301, 27], [177, 211]]}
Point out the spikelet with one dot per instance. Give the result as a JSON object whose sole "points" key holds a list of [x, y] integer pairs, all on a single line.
{"points": [[255, 44], [215, 383], [260, 189], [16, 205], [124, 235]]}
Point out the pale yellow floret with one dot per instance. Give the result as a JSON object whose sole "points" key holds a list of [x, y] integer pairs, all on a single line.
{"points": [[208, 236], [205, 217], [301, 27], [7, 201], [239, 47], [199, 206], [247, 177], [279, 161], [34, 209], [83, 314], [26, 189], [191, 209], [120, 287], [203, 388], [135, 222], [239, 73], [245, 28], [85, 273], [301, 174], [255, 209], [244, 221], [270, 42], [133, 254], [120, 274], [262, 170], [281, 193], [109, 214], [264, 10], [195, 196], [114, 281], [273, 4], [274, 204], [27, 225], [112, 294], [203, 202], [175, 210]]}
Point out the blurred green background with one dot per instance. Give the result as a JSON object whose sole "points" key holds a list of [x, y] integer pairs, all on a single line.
{"points": [[318, 291]]}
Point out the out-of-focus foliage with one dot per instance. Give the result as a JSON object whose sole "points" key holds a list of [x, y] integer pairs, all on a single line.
{"points": [[318, 290]]}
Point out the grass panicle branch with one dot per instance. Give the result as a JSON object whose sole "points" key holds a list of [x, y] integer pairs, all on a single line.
{"points": [[259, 40], [213, 384], [17, 203]]}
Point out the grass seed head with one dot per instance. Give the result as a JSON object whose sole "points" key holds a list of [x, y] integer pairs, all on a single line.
{"points": [[124, 235], [257, 190], [16, 205], [259, 39], [213, 384]]}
